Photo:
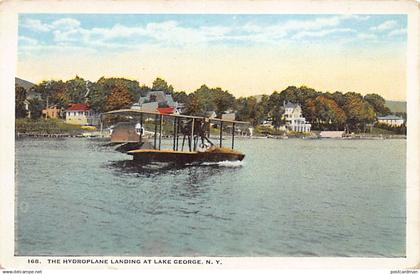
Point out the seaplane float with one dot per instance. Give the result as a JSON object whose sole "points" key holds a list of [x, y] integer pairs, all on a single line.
{"points": [[146, 146]]}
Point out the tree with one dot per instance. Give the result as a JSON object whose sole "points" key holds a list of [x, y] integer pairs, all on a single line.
{"points": [[378, 104], [102, 89], [339, 98], [358, 111], [54, 92], [205, 96], [252, 110], [143, 91], [215, 99], [180, 97], [98, 96], [160, 84], [119, 98], [297, 95], [325, 113], [35, 108], [223, 101], [194, 106], [275, 106], [20, 97], [76, 90]]}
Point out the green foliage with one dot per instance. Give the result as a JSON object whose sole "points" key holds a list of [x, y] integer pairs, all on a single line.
{"points": [[378, 104], [380, 131], [50, 126], [160, 84], [194, 106], [324, 113], [359, 112], [223, 100], [335, 111], [393, 129], [204, 95], [119, 98], [296, 95], [20, 97], [143, 92], [215, 99], [35, 108], [275, 109], [180, 97], [100, 92], [55, 92], [76, 89], [98, 96], [268, 130]]}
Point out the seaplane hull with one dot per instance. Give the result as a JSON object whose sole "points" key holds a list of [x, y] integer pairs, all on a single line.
{"points": [[146, 156]]}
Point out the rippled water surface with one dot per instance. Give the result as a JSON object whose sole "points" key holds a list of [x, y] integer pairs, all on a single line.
{"points": [[289, 198]]}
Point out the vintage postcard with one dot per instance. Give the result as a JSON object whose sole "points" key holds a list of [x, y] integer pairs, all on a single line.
{"points": [[209, 135]]}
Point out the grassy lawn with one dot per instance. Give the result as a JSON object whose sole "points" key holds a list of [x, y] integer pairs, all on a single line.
{"points": [[377, 131], [50, 126]]}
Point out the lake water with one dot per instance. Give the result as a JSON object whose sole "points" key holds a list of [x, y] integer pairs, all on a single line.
{"points": [[288, 198]]}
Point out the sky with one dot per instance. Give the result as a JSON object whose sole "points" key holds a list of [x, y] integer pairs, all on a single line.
{"points": [[246, 54]]}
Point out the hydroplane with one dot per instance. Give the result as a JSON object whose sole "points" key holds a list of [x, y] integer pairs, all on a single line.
{"points": [[195, 130]]}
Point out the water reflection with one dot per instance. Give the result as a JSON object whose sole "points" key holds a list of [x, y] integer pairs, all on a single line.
{"points": [[195, 172], [187, 181], [149, 170]]}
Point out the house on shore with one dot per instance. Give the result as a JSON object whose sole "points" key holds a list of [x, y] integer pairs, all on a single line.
{"points": [[294, 118], [331, 134], [53, 112], [158, 101], [229, 116], [391, 120], [81, 114]]}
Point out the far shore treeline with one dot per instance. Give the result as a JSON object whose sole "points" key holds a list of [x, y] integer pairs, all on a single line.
{"points": [[324, 110]]}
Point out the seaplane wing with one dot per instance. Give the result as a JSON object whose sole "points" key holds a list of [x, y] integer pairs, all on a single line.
{"points": [[137, 112]]}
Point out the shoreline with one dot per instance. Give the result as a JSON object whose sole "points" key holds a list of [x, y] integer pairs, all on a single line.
{"points": [[19, 135]]}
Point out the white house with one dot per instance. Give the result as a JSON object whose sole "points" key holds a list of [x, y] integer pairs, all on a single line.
{"points": [[294, 118], [81, 114], [391, 120]]}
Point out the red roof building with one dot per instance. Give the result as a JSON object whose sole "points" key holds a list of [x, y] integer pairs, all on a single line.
{"points": [[80, 114], [168, 110], [78, 107]]}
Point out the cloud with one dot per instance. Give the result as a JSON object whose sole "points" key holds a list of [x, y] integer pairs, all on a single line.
{"points": [[294, 25], [355, 17], [317, 23], [65, 23], [36, 25], [321, 33], [61, 24], [389, 24], [397, 32], [26, 41], [310, 28], [367, 36], [70, 32], [167, 32]]}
